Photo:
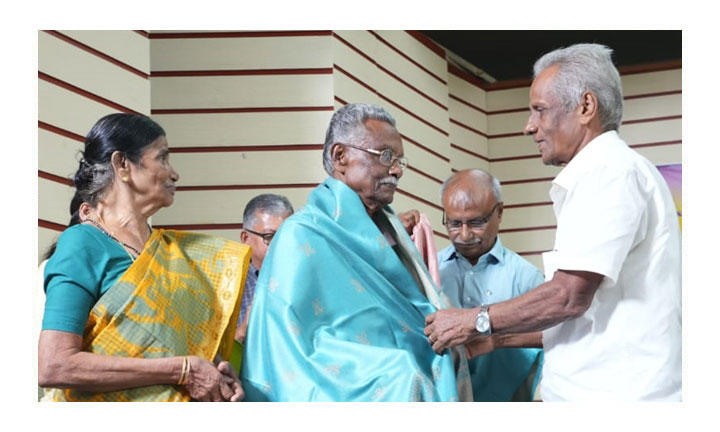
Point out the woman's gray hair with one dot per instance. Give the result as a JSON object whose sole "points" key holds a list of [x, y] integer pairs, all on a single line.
{"points": [[480, 176], [348, 126], [271, 204], [582, 68]]}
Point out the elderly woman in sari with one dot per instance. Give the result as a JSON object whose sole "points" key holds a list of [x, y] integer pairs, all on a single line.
{"points": [[132, 312]]}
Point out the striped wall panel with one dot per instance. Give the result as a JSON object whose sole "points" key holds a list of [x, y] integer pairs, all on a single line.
{"points": [[245, 114]]}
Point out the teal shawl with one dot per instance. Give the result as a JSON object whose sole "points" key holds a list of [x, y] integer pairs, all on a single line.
{"points": [[337, 316]]}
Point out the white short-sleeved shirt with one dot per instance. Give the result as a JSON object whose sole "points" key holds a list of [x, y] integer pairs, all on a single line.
{"points": [[616, 217]]}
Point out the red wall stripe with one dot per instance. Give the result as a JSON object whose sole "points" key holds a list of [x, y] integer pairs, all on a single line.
{"points": [[535, 204], [92, 96], [405, 56], [243, 72], [464, 126], [240, 110], [464, 102], [535, 180], [390, 101], [55, 178], [434, 153], [424, 174], [215, 35], [42, 223], [434, 47], [417, 198], [477, 155], [97, 53], [63, 132], [645, 120], [142, 33]]}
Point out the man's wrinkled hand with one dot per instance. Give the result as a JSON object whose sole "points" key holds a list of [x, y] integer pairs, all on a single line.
{"points": [[450, 327]]}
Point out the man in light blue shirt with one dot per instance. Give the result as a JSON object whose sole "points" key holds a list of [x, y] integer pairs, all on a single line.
{"points": [[477, 270]]}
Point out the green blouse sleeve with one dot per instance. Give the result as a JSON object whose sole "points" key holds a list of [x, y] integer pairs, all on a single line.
{"points": [[82, 268]]}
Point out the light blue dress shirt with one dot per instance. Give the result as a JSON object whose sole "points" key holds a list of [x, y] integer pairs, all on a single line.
{"points": [[499, 275]]}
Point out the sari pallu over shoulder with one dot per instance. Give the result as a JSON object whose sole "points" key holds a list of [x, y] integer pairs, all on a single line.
{"points": [[180, 297]]}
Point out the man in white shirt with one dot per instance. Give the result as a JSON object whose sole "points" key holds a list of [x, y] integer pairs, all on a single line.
{"points": [[610, 312]]}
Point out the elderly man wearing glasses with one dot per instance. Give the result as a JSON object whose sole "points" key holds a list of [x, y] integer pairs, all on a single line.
{"points": [[476, 270], [261, 219], [340, 305]]}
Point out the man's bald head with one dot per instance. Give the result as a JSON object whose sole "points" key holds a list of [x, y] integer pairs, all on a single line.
{"points": [[472, 202]]}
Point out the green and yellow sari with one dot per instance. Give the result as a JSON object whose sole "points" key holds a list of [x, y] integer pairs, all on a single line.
{"points": [[180, 297]]}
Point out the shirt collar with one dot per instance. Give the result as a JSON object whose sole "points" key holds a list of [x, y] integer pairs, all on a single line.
{"points": [[497, 252], [574, 170]]}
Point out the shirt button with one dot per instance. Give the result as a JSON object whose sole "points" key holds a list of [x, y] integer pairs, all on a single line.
{"points": [[489, 293], [467, 299]]}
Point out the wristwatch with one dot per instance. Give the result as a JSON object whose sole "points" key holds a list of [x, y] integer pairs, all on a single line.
{"points": [[482, 321]]}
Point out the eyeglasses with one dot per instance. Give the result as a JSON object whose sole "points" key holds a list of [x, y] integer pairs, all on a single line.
{"points": [[267, 237], [387, 157], [474, 224]]}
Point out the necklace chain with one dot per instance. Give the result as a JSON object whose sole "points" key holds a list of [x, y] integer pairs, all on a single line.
{"points": [[100, 227]]}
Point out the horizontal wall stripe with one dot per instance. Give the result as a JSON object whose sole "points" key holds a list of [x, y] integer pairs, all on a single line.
{"points": [[209, 35], [544, 179], [289, 147], [51, 225], [77, 90], [142, 33], [645, 120], [417, 198], [424, 174], [437, 49], [253, 186], [462, 149], [439, 234], [390, 101], [59, 131], [466, 76], [244, 72], [55, 178], [406, 57], [655, 144], [434, 153], [638, 96], [240, 110], [649, 95], [464, 126], [535, 204], [97, 53], [538, 228], [475, 107], [511, 158]]}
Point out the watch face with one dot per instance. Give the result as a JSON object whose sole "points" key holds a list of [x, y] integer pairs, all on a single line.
{"points": [[482, 322]]}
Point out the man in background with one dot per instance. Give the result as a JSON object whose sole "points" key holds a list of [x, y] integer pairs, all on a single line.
{"points": [[261, 220], [477, 270]]}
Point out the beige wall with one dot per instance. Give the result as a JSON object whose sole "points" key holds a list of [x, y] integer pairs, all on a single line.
{"points": [[246, 112]]}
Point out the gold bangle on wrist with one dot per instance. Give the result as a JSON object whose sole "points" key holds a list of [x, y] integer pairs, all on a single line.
{"points": [[185, 371]]}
